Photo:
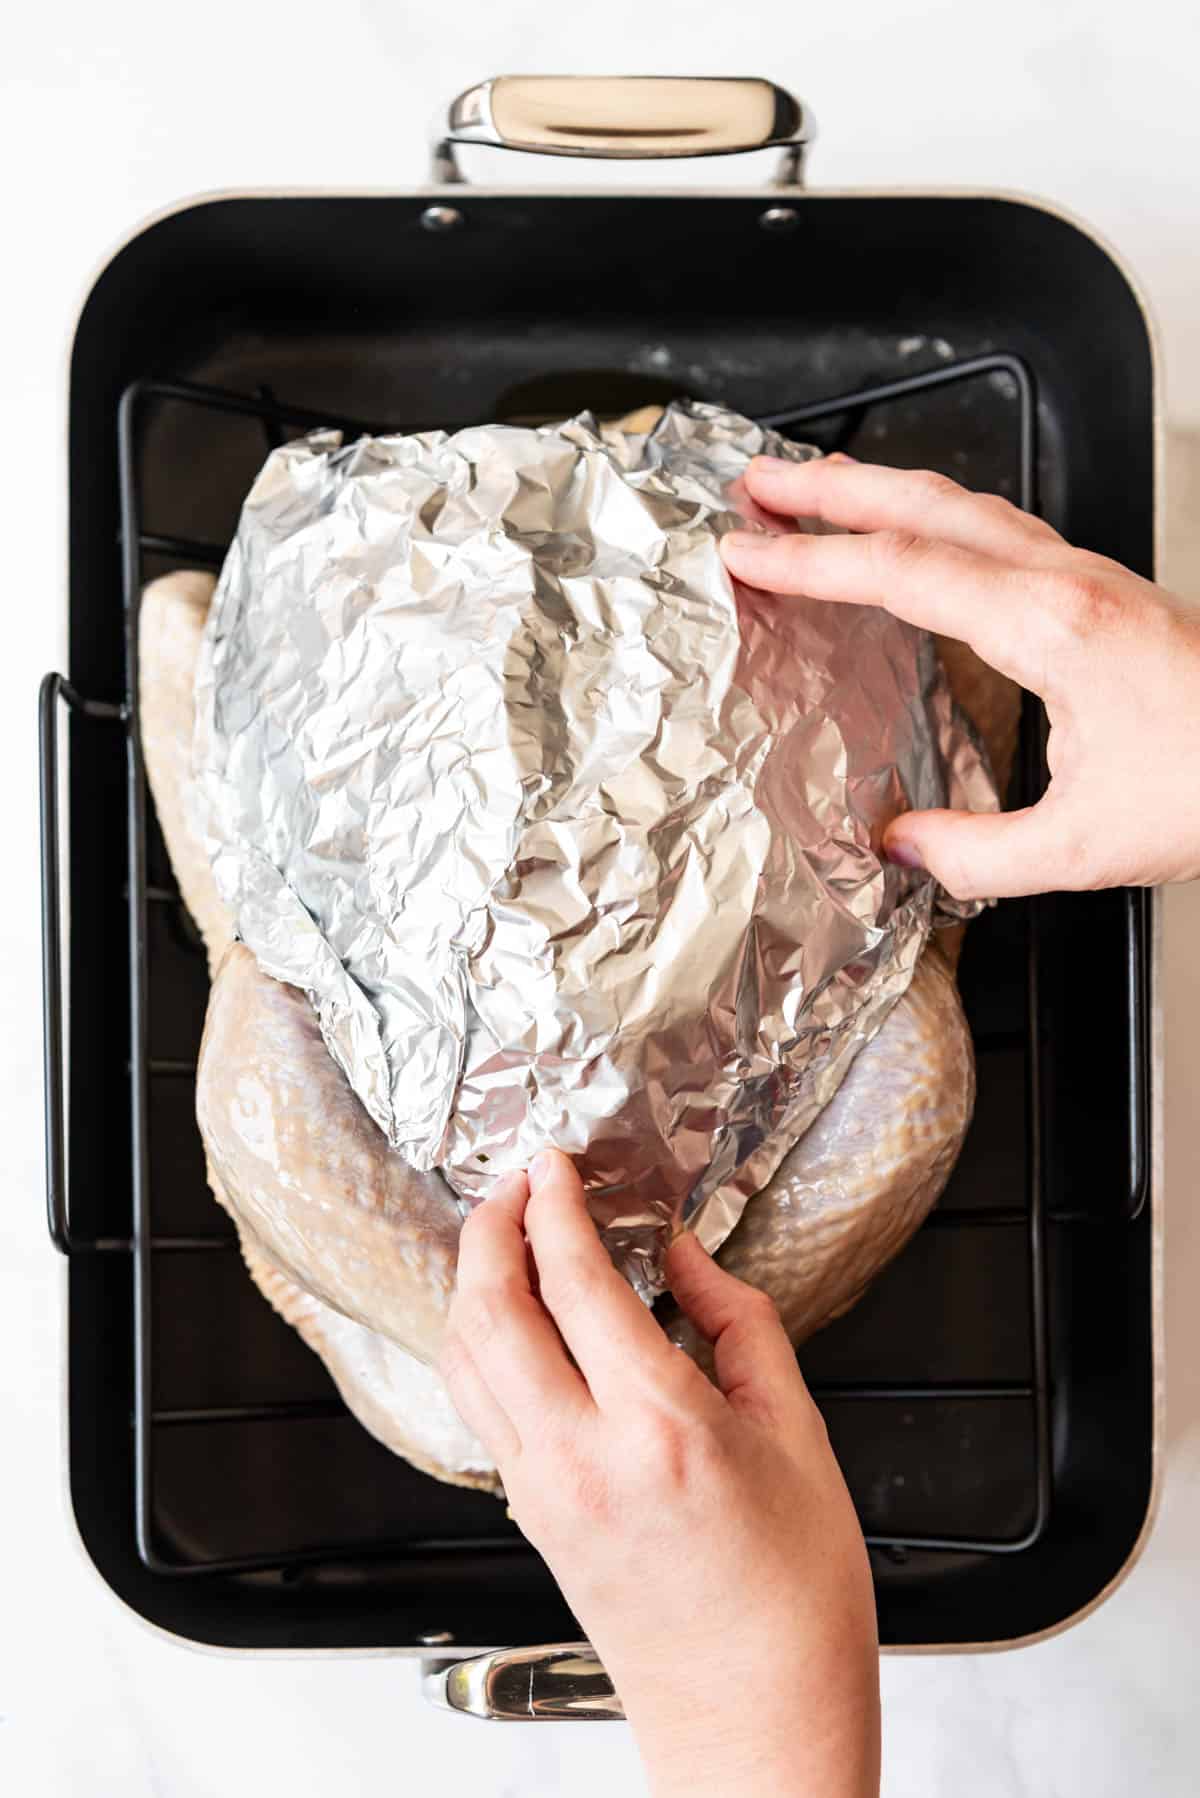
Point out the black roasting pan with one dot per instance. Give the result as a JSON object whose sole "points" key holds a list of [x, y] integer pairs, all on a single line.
{"points": [[993, 1397]]}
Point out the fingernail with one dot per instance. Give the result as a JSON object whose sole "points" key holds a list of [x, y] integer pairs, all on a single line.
{"points": [[539, 1168], [506, 1186], [905, 854], [771, 463], [744, 543], [841, 456]]}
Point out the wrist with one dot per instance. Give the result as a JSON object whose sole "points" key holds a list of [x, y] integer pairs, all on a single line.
{"points": [[782, 1748], [780, 1719]]}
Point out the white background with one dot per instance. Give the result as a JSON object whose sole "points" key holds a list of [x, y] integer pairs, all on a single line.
{"points": [[108, 112]]}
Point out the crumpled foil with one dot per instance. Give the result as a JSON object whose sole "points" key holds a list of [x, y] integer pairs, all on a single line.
{"points": [[566, 841]]}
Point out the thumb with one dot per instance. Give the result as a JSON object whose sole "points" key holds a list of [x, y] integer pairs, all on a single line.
{"points": [[754, 1361], [987, 855]]}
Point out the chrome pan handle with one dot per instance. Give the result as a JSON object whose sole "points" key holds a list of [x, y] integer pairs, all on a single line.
{"points": [[655, 117], [526, 1685]]}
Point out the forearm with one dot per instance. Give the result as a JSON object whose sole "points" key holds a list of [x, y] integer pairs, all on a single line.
{"points": [[796, 1722], [747, 1750]]}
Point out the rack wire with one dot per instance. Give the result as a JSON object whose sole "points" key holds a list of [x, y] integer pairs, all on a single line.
{"points": [[844, 414]]}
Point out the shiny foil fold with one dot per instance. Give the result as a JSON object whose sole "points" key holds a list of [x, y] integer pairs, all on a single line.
{"points": [[566, 841]]}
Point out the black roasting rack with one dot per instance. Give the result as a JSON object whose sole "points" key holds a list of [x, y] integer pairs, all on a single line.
{"points": [[836, 421]]}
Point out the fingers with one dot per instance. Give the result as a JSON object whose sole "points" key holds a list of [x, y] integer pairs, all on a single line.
{"points": [[604, 1324], [993, 855], [474, 1401], [862, 496], [510, 1340], [755, 1364], [1008, 617]]}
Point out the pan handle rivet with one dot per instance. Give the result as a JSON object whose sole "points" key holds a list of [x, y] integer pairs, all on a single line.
{"points": [[442, 218], [779, 219]]}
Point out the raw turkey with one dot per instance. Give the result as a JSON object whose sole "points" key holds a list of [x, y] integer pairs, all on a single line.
{"points": [[368, 1278]]}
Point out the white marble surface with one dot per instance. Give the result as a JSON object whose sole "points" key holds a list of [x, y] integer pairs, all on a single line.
{"points": [[109, 112]]}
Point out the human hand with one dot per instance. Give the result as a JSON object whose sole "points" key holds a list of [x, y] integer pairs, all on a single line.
{"points": [[1115, 659], [702, 1534]]}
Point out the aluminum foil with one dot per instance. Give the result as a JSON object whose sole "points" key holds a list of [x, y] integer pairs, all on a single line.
{"points": [[566, 841]]}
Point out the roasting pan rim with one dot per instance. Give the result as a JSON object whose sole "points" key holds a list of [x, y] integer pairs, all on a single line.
{"points": [[1015, 198], [1156, 1196]]}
